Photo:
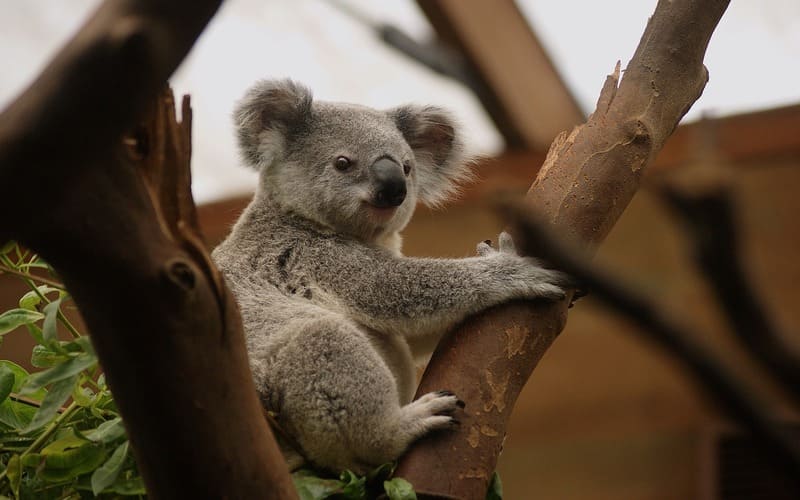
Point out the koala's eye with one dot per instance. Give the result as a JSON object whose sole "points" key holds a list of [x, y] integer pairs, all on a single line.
{"points": [[406, 168], [342, 163]]}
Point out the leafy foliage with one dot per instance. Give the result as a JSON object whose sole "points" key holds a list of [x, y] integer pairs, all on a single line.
{"points": [[312, 485], [49, 450]]}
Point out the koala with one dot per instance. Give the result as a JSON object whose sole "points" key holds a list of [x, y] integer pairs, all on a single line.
{"points": [[334, 315]]}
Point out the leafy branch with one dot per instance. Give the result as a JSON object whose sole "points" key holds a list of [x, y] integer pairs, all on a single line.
{"points": [[48, 450]]}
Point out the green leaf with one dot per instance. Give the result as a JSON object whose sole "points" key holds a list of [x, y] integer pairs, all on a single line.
{"points": [[52, 402], [44, 357], [69, 457], [20, 377], [85, 345], [31, 460], [65, 370], [495, 491], [14, 473], [6, 382], [7, 247], [107, 432], [32, 299], [49, 330], [399, 489], [311, 487], [129, 487], [382, 472], [10, 439], [354, 487], [107, 473], [35, 332], [83, 396], [61, 453], [16, 415], [15, 318], [104, 406]]}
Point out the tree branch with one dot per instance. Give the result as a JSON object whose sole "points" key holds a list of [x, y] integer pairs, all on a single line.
{"points": [[119, 226], [584, 185], [707, 215]]}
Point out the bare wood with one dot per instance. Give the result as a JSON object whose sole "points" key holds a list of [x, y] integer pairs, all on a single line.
{"points": [[518, 84], [120, 227], [587, 180]]}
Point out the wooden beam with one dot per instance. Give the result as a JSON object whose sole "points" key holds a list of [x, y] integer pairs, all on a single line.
{"points": [[748, 137], [740, 139], [515, 80]]}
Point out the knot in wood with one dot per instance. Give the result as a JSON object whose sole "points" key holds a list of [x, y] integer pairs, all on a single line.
{"points": [[137, 143], [637, 131], [180, 273]]}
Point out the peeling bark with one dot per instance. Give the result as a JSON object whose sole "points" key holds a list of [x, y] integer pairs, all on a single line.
{"points": [[586, 182]]}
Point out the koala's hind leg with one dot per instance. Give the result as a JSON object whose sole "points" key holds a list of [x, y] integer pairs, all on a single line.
{"points": [[339, 399]]}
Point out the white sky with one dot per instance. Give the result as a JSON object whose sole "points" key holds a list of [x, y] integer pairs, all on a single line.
{"points": [[754, 60]]}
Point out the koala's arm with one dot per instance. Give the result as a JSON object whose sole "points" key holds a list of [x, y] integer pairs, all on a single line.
{"points": [[424, 296]]}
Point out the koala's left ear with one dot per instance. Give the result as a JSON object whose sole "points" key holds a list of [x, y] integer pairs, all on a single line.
{"points": [[266, 116], [435, 139]]}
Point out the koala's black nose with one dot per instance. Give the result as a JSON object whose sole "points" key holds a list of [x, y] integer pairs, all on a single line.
{"points": [[390, 183]]}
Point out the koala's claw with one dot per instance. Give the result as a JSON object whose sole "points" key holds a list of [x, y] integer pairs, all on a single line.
{"points": [[506, 243], [458, 402], [437, 403], [485, 249]]}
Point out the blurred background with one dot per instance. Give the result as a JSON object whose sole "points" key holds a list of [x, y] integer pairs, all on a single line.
{"points": [[605, 415]]}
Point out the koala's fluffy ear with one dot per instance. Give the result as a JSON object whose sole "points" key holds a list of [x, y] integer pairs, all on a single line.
{"points": [[434, 137], [269, 112]]}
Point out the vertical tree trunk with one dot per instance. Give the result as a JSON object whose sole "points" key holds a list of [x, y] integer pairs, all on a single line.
{"points": [[119, 226]]}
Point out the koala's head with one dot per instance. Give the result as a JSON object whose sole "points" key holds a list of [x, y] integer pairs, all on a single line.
{"points": [[350, 168]]}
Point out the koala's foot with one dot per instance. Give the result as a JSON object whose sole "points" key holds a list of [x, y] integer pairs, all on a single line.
{"points": [[394, 434]]}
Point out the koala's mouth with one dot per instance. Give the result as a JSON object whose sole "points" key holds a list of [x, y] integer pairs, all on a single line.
{"points": [[379, 213]]}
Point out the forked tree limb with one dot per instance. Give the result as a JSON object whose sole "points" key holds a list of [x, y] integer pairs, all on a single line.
{"points": [[119, 226], [586, 182]]}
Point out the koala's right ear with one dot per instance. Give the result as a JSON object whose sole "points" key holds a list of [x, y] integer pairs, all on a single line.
{"points": [[266, 115]]}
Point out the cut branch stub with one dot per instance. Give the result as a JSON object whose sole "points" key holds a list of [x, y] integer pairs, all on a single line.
{"points": [[166, 330], [161, 147], [588, 179]]}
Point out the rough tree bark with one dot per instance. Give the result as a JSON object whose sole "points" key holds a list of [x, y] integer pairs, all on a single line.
{"points": [[584, 185], [119, 226]]}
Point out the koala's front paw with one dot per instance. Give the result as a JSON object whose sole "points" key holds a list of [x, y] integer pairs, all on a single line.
{"points": [[525, 272], [434, 410]]}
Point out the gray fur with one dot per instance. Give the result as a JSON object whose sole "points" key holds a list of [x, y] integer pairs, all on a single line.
{"points": [[332, 311]]}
